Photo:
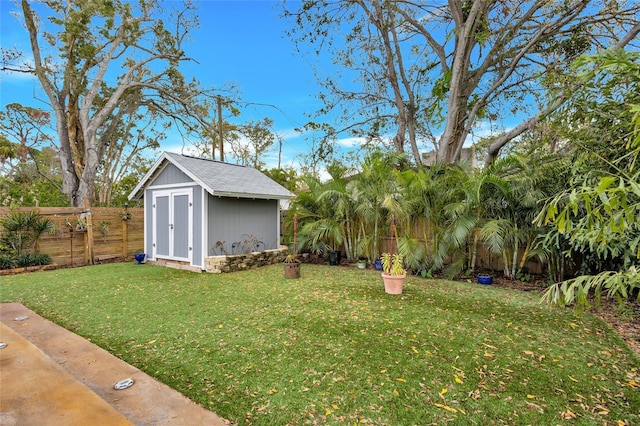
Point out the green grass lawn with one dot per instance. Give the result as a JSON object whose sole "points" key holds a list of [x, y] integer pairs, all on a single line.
{"points": [[333, 348]]}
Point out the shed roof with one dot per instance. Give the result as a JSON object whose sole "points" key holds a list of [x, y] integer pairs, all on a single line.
{"points": [[217, 178]]}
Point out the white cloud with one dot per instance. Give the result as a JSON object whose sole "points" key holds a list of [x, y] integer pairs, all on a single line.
{"points": [[351, 142]]}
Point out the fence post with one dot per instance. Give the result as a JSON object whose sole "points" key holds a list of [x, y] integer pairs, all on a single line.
{"points": [[124, 238], [89, 231]]}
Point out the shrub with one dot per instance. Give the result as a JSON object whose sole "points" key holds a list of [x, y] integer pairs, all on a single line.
{"points": [[7, 261], [40, 259], [32, 259]]}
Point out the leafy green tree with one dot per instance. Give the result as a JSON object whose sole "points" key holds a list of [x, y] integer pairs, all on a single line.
{"points": [[89, 42], [121, 188], [258, 138], [24, 126], [431, 70], [600, 211], [287, 177], [8, 152]]}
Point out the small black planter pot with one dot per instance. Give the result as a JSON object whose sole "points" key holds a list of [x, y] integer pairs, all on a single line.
{"points": [[334, 258]]}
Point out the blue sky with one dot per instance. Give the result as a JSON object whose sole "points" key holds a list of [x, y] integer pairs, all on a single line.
{"points": [[238, 42]]}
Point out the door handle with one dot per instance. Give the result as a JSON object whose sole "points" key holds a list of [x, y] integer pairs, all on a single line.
{"points": [[171, 225]]}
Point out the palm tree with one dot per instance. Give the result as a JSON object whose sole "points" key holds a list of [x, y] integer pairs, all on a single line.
{"points": [[326, 213], [22, 231], [509, 197], [429, 206], [374, 189]]}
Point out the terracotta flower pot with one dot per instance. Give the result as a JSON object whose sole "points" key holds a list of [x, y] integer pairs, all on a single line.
{"points": [[292, 270], [393, 283]]}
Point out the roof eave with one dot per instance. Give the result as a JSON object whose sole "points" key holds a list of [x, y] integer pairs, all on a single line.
{"points": [[250, 195]]}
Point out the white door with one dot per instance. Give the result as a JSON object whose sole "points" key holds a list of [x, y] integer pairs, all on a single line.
{"points": [[172, 230]]}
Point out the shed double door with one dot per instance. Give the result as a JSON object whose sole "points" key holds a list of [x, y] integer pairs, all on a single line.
{"points": [[172, 213]]}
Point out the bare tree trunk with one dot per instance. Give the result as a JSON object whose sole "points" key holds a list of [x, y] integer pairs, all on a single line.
{"points": [[57, 99]]}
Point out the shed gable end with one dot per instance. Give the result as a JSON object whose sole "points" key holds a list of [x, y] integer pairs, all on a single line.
{"points": [[171, 175]]}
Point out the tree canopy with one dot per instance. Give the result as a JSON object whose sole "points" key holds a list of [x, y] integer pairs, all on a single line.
{"points": [[422, 73], [108, 67]]}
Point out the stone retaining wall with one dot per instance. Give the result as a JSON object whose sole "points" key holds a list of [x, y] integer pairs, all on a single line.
{"points": [[242, 262]]}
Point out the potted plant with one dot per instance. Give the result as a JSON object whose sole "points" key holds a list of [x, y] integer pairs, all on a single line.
{"points": [[291, 266], [393, 273], [361, 263], [334, 257]]}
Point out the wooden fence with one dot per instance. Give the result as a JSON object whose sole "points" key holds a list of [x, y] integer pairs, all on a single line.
{"points": [[485, 259], [109, 233]]}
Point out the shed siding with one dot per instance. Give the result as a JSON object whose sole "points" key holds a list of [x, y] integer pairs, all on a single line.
{"points": [[198, 228], [148, 221], [238, 220], [170, 175]]}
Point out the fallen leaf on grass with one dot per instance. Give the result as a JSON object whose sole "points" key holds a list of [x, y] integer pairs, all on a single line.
{"points": [[568, 415], [446, 407], [533, 406]]}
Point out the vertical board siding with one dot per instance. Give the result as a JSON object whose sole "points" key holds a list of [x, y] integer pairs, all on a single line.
{"points": [[170, 175], [113, 236], [148, 220], [198, 228], [240, 221], [161, 225], [181, 226]]}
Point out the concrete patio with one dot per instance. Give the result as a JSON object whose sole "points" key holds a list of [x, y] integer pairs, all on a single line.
{"points": [[50, 376]]}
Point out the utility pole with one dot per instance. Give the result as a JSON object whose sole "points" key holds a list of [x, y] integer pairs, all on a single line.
{"points": [[220, 127], [213, 138]]}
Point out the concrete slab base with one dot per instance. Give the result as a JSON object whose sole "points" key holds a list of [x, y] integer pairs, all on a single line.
{"points": [[50, 376]]}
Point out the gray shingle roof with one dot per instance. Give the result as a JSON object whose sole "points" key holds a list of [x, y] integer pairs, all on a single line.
{"points": [[220, 179]]}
